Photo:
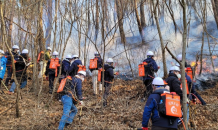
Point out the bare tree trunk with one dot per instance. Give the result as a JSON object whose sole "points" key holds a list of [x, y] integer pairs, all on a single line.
{"points": [[120, 21], [142, 13], [79, 26], [56, 26], [11, 23], [25, 41], [201, 57], [139, 23], [96, 21], [40, 36], [103, 18], [122, 34], [161, 39], [184, 40], [49, 23], [215, 10], [204, 26], [87, 31], [12, 57]]}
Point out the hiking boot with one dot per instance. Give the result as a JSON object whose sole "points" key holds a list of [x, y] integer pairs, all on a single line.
{"points": [[143, 100], [105, 103], [67, 124], [10, 93], [50, 91]]}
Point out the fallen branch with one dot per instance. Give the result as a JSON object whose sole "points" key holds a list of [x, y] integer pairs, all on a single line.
{"points": [[4, 85], [7, 109]]}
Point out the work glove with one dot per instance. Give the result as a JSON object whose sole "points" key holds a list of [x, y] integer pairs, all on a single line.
{"points": [[144, 128], [81, 103], [194, 101], [158, 67], [116, 73]]}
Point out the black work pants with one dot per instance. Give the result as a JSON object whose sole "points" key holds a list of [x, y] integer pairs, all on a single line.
{"points": [[9, 74], [161, 128], [51, 81], [107, 90], [148, 86]]}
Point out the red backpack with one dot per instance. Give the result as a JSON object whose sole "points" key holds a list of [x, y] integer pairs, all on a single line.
{"points": [[62, 84], [141, 68], [54, 64], [93, 64], [81, 68], [170, 105]]}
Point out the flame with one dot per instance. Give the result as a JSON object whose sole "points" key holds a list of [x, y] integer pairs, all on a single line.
{"points": [[216, 69], [214, 57], [193, 64]]}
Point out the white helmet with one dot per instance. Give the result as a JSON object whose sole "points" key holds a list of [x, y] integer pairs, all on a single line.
{"points": [[15, 47], [55, 53], [82, 72], [177, 64], [176, 68], [25, 51], [110, 60], [96, 53], [179, 57], [150, 53], [48, 48], [158, 81], [2, 52], [68, 56], [75, 56]]}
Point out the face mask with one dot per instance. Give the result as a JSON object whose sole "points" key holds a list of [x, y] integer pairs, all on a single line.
{"points": [[179, 76], [82, 79], [18, 51]]}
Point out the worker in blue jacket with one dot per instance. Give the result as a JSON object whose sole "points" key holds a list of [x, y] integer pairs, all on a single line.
{"points": [[159, 121], [15, 52], [65, 66], [150, 69], [21, 65], [3, 62], [193, 91], [73, 69], [108, 79], [69, 108]]}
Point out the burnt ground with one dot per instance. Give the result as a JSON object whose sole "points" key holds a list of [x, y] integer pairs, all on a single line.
{"points": [[124, 110]]}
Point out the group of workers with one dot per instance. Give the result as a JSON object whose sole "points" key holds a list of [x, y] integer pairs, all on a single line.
{"points": [[73, 74], [156, 87]]}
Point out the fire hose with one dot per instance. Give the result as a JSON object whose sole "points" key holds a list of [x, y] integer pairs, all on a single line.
{"points": [[182, 123]]}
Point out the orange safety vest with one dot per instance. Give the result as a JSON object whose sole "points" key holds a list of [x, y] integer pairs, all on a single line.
{"points": [[186, 84], [93, 64], [141, 68]]}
